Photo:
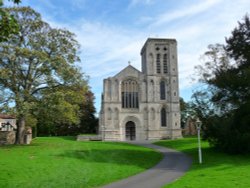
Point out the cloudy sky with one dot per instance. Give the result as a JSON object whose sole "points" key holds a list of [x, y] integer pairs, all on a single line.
{"points": [[112, 32]]}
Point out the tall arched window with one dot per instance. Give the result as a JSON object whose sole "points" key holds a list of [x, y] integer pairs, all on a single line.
{"points": [[116, 115], [163, 117], [152, 114], [158, 63], [145, 114], [165, 65], [130, 94], [162, 90], [109, 113]]}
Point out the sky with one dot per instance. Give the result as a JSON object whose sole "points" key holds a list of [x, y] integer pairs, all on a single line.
{"points": [[112, 32]]}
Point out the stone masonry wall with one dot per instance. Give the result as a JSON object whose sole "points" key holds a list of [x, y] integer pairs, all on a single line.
{"points": [[7, 137]]}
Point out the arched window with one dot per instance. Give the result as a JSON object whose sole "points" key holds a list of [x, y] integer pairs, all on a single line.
{"points": [[145, 114], [152, 114], [163, 117], [162, 90], [109, 88], [165, 65], [116, 115], [158, 63], [130, 94], [109, 113]]}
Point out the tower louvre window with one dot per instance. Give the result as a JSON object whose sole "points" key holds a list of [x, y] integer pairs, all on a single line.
{"points": [[165, 63], [130, 94], [158, 63]]}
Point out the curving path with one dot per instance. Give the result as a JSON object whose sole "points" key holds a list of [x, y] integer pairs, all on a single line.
{"points": [[173, 165]]}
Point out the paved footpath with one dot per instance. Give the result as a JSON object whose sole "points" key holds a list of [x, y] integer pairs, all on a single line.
{"points": [[173, 165]]}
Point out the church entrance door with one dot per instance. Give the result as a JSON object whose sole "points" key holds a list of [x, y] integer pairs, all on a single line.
{"points": [[130, 130]]}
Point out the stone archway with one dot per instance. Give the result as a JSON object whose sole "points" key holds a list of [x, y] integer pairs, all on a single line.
{"points": [[130, 130]]}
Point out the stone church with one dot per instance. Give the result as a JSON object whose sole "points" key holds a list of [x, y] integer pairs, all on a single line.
{"points": [[143, 105]]}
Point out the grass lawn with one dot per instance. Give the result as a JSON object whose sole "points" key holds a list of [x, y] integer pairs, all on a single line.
{"points": [[63, 162], [218, 169]]}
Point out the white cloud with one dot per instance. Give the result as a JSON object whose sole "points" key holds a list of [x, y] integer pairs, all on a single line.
{"points": [[184, 12]]}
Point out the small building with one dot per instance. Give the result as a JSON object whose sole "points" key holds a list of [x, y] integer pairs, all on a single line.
{"points": [[190, 127], [7, 122], [7, 129], [143, 105]]}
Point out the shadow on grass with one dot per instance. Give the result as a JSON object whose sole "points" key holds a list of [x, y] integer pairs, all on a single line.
{"points": [[140, 158], [73, 138]]}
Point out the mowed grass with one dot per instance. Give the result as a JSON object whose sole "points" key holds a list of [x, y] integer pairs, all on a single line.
{"points": [[63, 162], [218, 169]]}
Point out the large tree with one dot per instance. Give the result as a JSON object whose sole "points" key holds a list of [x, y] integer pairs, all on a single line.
{"points": [[226, 75], [8, 24], [36, 59]]}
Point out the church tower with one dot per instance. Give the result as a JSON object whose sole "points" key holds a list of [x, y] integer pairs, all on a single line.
{"points": [[144, 105], [159, 64]]}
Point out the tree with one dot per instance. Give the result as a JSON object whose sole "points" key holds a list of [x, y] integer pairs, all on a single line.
{"points": [[8, 24], [36, 59], [88, 121], [58, 112], [226, 74]]}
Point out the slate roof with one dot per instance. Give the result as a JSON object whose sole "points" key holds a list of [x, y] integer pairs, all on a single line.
{"points": [[5, 116]]}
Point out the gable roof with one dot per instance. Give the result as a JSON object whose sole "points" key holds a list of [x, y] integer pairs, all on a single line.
{"points": [[127, 71], [5, 116]]}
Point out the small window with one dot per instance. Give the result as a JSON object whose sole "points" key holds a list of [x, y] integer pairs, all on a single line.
{"points": [[163, 117], [116, 114], [109, 113], [145, 114], [162, 90], [152, 114]]}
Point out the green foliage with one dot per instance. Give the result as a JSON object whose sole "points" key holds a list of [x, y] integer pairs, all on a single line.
{"points": [[63, 162], [66, 112], [186, 111], [37, 67], [8, 24], [225, 108], [217, 170], [88, 121]]}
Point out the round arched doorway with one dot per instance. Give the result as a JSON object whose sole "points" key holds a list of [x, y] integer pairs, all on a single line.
{"points": [[130, 130]]}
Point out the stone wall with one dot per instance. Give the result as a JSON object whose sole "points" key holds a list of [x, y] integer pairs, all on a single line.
{"points": [[7, 137], [190, 128], [89, 138]]}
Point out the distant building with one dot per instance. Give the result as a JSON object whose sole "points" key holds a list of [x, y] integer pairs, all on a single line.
{"points": [[190, 127], [144, 105], [7, 129], [7, 122]]}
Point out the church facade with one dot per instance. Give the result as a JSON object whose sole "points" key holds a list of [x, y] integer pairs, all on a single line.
{"points": [[143, 105]]}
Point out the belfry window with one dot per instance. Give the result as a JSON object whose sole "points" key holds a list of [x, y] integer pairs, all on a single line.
{"points": [[158, 63], [162, 90], [130, 94], [165, 63], [163, 117]]}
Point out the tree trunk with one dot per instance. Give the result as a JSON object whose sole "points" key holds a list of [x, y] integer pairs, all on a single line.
{"points": [[20, 136]]}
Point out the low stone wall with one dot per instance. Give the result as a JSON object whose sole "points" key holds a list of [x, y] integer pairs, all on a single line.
{"points": [[89, 138], [7, 137], [28, 138]]}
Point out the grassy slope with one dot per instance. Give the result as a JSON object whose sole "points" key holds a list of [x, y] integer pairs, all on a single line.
{"points": [[63, 162], [218, 169]]}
